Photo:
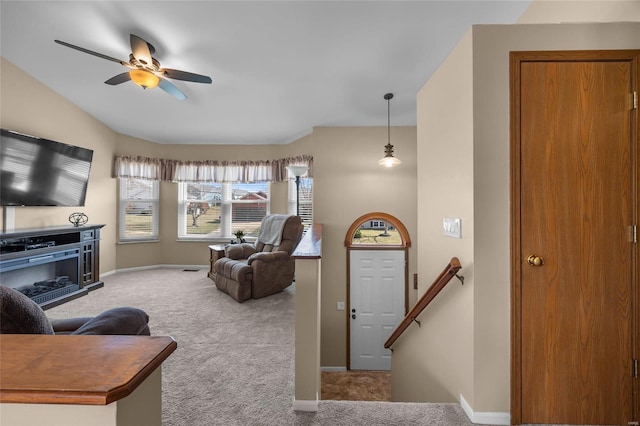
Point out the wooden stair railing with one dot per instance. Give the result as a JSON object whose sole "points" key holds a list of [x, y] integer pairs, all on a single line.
{"points": [[450, 271]]}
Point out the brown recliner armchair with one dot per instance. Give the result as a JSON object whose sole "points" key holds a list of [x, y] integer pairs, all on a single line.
{"points": [[255, 271]]}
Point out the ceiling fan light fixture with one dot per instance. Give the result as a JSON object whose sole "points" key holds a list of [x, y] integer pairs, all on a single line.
{"points": [[144, 70], [144, 78]]}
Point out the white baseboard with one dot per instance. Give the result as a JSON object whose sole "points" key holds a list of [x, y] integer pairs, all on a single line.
{"points": [[333, 368], [484, 418], [299, 405], [144, 268]]}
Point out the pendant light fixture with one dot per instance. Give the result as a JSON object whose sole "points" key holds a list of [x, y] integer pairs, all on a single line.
{"points": [[388, 160]]}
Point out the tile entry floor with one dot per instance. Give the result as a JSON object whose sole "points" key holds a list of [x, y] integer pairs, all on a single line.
{"points": [[355, 385]]}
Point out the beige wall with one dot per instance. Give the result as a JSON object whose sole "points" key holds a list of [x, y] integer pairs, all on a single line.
{"points": [[425, 371], [28, 106], [347, 184]]}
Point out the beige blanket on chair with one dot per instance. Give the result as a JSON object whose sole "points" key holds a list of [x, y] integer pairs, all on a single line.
{"points": [[271, 229]]}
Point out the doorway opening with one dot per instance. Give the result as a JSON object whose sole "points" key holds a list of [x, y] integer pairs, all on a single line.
{"points": [[377, 300]]}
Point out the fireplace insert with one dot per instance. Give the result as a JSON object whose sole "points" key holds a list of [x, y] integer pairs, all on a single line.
{"points": [[44, 277]]}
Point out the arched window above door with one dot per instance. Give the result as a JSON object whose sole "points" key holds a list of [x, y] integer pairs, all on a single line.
{"points": [[377, 229]]}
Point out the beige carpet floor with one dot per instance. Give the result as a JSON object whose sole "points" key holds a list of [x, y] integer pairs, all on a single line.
{"points": [[234, 362]]}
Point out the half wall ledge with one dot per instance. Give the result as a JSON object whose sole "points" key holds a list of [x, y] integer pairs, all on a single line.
{"points": [[308, 257], [125, 390]]}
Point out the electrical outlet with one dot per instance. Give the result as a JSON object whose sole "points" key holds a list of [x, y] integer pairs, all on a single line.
{"points": [[340, 306]]}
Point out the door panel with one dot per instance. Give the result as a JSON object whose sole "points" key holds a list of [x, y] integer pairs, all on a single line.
{"points": [[576, 207], [377, 302]]}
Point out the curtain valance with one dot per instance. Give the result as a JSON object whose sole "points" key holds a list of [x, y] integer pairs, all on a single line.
{"points": [[208, 170]]}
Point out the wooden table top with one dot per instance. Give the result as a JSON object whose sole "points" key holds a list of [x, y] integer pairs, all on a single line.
{"points": [[86, 370]]}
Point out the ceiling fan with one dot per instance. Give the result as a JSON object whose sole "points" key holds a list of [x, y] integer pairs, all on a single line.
{"points": [[144, 69]]}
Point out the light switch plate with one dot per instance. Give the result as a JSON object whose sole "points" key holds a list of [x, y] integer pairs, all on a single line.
{"points": [[340, 306], [452, 227]]}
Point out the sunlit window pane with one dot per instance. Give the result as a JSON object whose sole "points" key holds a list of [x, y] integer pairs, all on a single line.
{"points": [[138, 209], [376, 232], [218, 210]]}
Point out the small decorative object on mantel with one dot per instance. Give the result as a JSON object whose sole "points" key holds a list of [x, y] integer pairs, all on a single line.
{"points": [[239, 236], [78, 219]]}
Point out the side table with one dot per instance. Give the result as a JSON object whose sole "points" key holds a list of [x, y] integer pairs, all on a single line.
{"points": [[216, 251]]}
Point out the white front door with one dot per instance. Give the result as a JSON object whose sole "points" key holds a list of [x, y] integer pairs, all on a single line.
{"points": [[377, 282]]}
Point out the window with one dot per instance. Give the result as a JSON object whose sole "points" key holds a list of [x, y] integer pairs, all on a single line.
{"points": [[138, 209], [306, 200], [376, 231], [216, 210]]}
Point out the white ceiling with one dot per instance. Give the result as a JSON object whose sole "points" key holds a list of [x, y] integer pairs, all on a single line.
{"points": [[279, 68]]}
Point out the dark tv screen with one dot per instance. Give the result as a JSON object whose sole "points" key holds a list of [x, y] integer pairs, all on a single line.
{"points": [[41, 172]]}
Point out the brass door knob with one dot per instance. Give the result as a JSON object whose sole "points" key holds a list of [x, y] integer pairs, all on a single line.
{"points": [[534, 260]]}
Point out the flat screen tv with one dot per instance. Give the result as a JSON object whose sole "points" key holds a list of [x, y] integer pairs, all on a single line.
{"points": [[41, 172]]}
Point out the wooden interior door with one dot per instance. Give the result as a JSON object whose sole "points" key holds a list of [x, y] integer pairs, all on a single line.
{"points": [[574, 200]]}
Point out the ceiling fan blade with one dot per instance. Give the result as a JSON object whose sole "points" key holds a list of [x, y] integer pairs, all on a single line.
{"points": [[140, 50], [119, 79], [91, 52], [171, 89], [186, 76]]}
